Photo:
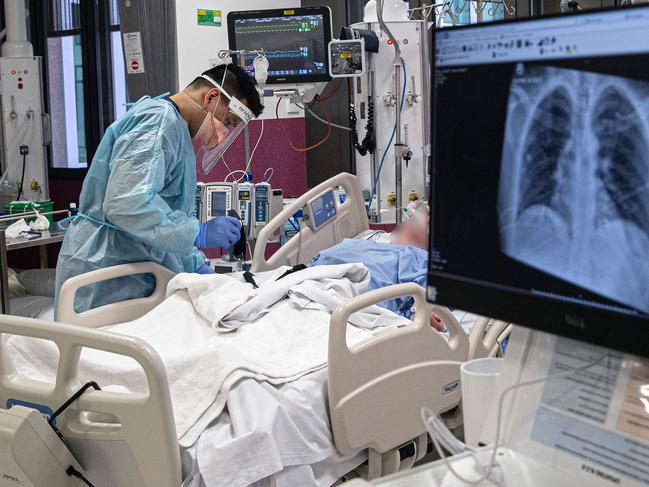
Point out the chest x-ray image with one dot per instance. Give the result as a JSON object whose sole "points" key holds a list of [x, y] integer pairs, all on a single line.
{"points": [[573, 190]]}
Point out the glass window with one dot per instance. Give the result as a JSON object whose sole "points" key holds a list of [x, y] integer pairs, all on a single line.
{"points": [[65, 15], [66, 83], [65, 87], [119, 75]]}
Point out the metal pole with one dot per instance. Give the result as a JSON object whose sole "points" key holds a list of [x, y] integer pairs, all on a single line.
{"points": [[5, 273], [372, 98], [246, 130], [398, 160], [18, 216], [426, 98], [398, 149]]}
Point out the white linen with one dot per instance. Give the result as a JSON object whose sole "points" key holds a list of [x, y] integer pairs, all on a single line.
{"points": [[201, 365], [39, 307], [279, 434]]}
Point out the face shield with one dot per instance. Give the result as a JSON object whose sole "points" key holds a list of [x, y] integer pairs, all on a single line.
{"points": [[237, 117]]}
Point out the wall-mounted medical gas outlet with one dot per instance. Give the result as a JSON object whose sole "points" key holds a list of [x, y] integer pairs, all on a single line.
{"points": [[22, 126]]}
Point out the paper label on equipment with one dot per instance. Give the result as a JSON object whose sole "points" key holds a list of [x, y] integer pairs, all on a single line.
{"points": [[133, 54]]}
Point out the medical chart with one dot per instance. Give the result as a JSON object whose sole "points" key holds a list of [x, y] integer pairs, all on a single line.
{"points": [[597, 419]]}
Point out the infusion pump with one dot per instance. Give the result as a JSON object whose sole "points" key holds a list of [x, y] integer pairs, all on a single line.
{"points": [[256, 204]]}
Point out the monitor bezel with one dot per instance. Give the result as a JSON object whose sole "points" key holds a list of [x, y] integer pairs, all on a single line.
{"points": [[287, 12], [624, 332]]}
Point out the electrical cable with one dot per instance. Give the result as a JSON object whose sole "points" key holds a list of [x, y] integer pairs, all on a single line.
{"points": [[267, 179], [73, 472], [22, 178], [225, 163], [317, 117], [252, 154], [394, 133], [290, 142], [236, 171], [320, 98], [311, 104], [369, 142], [501, 402], [299, 241]]}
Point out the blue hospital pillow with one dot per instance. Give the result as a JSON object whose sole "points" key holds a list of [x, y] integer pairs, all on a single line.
{"points": [[388, 264]]}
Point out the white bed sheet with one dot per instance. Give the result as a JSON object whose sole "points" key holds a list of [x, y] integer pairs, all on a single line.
{"points": [[29, 306], [271, 436]]}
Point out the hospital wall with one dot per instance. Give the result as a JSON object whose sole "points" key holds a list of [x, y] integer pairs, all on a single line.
{"points": [[197, 45]]}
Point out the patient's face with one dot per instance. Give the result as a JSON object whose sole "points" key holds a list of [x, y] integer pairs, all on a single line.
{"points": [[411, 233]]}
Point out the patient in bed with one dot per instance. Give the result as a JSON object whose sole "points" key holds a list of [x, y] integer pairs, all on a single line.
{"points": [[404, 259]]}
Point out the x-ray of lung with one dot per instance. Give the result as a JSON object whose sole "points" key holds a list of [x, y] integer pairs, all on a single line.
{"points": [[574, 182]]}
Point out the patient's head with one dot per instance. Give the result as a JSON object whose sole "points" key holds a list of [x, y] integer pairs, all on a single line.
{"points": [[413, 231]]}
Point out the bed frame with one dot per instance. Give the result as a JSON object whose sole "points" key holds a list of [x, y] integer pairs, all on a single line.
{"points": [[350, 221], [131, 440], [111, 314]]}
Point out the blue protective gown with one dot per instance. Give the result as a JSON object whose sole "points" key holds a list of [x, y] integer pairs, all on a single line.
{"points": [[142, 183], [388, 264]]}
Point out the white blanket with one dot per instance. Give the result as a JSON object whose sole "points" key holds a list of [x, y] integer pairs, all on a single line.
{"points": [[284, 343]]}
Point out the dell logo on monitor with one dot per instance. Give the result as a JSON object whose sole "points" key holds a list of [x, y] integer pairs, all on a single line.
{"points": [[575, 321]]}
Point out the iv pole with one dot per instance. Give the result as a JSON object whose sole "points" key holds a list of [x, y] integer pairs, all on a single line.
{"points": [[399, 148]]}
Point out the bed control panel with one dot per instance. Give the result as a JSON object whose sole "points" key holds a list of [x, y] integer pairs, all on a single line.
{"points": [[321, 210]]}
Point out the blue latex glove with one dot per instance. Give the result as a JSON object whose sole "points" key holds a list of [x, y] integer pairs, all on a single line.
{"points": [[218, 233], [205, 269]]}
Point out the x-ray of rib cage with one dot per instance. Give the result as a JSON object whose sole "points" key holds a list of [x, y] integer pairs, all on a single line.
{"points": [[573, 194]]}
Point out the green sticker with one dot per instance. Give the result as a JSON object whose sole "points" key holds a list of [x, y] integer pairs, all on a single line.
{"points": [[208, 17]]}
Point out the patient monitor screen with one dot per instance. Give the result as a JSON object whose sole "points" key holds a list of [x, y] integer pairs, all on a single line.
{"points": [[295, 45], [541, 159]]}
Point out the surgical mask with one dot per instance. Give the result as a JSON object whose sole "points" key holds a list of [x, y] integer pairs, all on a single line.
{"points": [[211, 132], [214, 137]]}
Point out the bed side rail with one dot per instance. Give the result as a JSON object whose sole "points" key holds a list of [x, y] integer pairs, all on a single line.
{"points": [[483, 342], [350, 220], [135, 443], [111, 314], [377, 388]]}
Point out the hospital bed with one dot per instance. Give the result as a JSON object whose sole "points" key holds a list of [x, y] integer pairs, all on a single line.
{"points": [[375, 389]]}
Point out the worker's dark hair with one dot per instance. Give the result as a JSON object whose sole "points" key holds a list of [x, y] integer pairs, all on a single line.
{"points": [[237, 83]]}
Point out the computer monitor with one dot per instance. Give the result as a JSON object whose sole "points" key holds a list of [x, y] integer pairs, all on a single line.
{"points": [[540, 191], [294, 40]]}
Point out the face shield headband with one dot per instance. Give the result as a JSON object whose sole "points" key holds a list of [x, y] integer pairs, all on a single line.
{"points": [[238, 117]]}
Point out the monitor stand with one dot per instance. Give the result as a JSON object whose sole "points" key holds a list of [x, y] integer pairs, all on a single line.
{"points": [[590, 427]]}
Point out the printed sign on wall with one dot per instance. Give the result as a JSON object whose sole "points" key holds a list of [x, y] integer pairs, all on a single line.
{"points": [[208, 17]]}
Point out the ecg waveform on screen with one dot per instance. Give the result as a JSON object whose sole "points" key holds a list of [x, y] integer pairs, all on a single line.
{"points": [[304, 26]]}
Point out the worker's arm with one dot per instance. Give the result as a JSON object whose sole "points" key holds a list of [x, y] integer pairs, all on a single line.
{"points": [[139, 163]]}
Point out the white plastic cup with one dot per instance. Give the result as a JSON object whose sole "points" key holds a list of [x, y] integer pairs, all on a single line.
{"points": [[479, 382]]}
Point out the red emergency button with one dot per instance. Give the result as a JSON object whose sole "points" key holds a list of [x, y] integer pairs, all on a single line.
{"points": [[13, 71], [389, 42]]}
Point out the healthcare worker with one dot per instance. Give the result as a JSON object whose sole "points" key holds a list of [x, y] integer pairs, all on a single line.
{"points": [[138, 197]]}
